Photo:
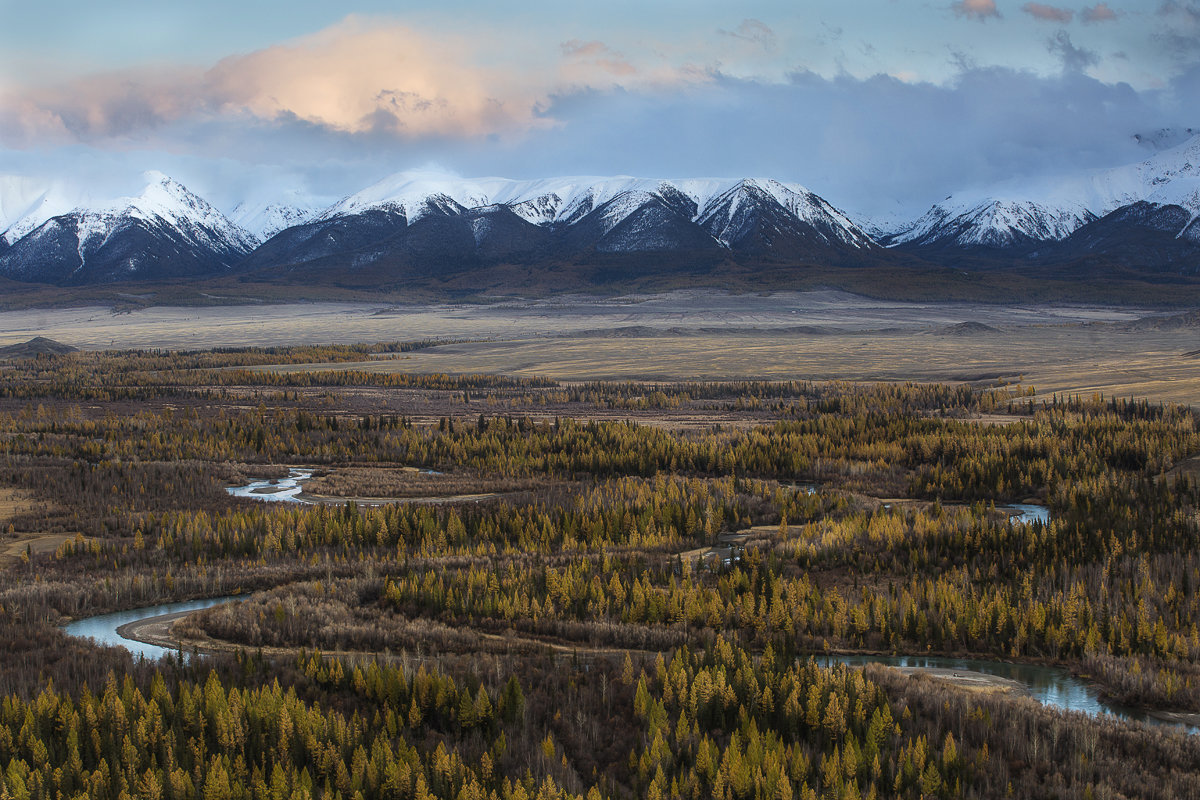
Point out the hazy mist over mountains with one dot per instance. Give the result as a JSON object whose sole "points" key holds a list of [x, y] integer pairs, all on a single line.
{"points": [[419, 225]]}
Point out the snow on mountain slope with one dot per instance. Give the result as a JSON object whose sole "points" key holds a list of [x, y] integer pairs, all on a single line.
{"points": [[165, 231], [1051, 209], [266, 220], [728, 215], [567, 200], [166, 200], [25, 203], [272, 203], [539, 201], [999, 223], [413, 194]]}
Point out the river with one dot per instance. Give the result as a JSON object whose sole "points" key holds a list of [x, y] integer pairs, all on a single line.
{"points": [[1027, 513], [1051, 686], [289, 489], [278, 490], [103, 628]]}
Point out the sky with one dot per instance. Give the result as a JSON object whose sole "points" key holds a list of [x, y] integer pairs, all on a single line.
{"points": [[881, 106]]}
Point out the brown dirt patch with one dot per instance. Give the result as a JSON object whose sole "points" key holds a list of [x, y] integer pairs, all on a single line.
{"points": [[14, 503], [12, 550]]}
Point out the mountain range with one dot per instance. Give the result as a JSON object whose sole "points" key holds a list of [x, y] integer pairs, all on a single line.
{"points": [[419, 227]]}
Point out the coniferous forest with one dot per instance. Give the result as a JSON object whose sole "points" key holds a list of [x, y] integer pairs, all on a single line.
{"points": [[519, 588]]}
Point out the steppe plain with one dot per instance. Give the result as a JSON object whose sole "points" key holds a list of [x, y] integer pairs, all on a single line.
{"points": [[818, 335]]}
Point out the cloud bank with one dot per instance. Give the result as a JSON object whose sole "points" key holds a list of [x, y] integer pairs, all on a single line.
{"points": [[354, 77], [334, 111]]}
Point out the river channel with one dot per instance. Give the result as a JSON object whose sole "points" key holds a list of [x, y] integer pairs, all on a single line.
{"points": [[103, 628], [1051, 686], [279, 490]]}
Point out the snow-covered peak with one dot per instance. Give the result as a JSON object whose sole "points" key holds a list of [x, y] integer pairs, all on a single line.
{"points": [[995, 222], [1164, 138], [266, 220], [614, 211], [813, 209], [566, 200], [725, 214], [540, 201], [1172, 177], [164, 231], [167, 200], [1053, 208], [410, 193], [269, 208], [26, 204]]}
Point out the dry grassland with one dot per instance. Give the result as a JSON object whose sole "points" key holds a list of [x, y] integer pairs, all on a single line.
{"points": [[821, 335], [14, 502], [1059, 359]]}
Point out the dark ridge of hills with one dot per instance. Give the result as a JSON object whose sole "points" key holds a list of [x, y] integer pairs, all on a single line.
{"points": [[37, 346], [1141, 236], [969, 328], [652, 332], [1189, 320]]}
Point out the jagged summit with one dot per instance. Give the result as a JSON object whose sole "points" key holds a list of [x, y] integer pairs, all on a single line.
{"points": [[553, 200], [994, 223], [164, 232], [1030, 213], [428, 221], [429, 226]]}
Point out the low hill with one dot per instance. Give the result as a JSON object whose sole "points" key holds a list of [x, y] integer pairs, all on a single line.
{"points": [[37, 346]]}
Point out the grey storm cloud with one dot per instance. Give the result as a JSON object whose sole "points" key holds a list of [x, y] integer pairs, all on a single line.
{"points": [[1074, 59], [870, 144], [1180, 29]]}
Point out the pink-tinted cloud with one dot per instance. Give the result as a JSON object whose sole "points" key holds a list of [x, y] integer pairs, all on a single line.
{"points": [[117, 105], [598, 54], [1098, 13], [1045, 13], [975, 9], [355, 77], [360, 76]]}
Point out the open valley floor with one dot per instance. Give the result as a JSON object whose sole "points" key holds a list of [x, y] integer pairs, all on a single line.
{"points": [[1127, 352], [600, 549]]}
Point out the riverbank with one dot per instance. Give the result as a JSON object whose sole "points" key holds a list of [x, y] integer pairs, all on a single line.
{"points": [[969, 680], [158, 631], [1051, 685], [330, 500], [291, 490]]}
